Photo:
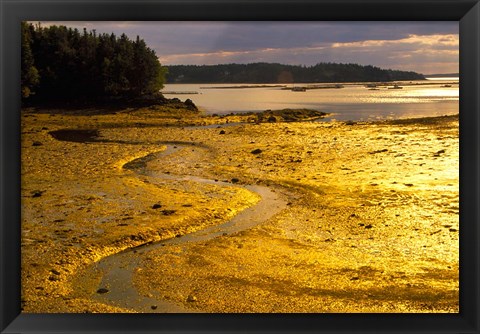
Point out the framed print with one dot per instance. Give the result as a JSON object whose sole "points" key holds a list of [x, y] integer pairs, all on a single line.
{"points": [[239, 166]]}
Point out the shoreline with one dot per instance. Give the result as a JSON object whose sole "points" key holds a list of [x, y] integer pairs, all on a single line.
{"points": [[73, 193]]}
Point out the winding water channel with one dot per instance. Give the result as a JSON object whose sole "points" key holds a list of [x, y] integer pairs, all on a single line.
{"points": [[118, 269]]}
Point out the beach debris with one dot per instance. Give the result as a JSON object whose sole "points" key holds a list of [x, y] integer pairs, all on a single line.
{"points": [[156, 206], [102, 290], [256, 151]]}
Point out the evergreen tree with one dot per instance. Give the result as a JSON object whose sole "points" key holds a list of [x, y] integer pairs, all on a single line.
{"points": [[29, 75], [74, 65], [278, 73]]}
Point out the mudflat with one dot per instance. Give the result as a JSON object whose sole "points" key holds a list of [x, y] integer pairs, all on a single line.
{"points": [[359, 217]]}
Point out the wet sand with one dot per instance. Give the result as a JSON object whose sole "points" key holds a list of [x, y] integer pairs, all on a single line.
{"points": [[370, 222]]}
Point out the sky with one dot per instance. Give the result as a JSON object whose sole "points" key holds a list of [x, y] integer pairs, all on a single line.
{"points": [[424, 47]]}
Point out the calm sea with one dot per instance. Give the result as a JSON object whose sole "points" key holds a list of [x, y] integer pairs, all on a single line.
{"points": [[433, 97]]}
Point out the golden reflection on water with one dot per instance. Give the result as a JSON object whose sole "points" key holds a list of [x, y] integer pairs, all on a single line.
{"points": [[352, 102]]}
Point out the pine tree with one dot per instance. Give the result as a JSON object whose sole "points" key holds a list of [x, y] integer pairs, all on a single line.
{"points": [[29, 75]]}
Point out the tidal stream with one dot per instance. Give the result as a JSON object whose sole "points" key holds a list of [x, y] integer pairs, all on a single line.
{"points": [[117, 270]]}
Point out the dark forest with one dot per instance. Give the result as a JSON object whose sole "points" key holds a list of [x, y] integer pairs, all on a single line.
{"points": [[60, 63], [279, 73]]}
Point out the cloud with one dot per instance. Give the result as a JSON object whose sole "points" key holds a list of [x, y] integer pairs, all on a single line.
{"points": [[279, 55], [383, 44]]}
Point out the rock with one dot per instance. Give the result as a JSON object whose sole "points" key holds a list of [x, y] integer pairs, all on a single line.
{"points": [[190, 105], [37, 193], [222, 132], [37, 143], [350, 123], [256, 151], [168, 212], [156, 206], [272, 119], [55, 272], [437, 154], [408, 184], [369, 226], [102, 290], [235, 180], [191, 298], [154, 307], [379, 151]]}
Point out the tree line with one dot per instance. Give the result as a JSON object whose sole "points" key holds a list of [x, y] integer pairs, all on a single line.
{"points": [[60, 63], [279, 73]]}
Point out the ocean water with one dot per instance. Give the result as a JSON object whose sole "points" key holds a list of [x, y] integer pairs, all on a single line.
{"points": [[352, 102]]}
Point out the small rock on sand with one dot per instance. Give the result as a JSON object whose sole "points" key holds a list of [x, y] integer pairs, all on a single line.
{"points": [[437, 154], [37, 193], [191, 298], [257, 151], [102, 290]]}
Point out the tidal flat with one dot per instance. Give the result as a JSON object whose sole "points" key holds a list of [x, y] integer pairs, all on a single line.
{"points": [[360, 216]]}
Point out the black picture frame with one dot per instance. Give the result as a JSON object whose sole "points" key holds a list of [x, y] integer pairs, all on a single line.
{"points": [[467, 12]]}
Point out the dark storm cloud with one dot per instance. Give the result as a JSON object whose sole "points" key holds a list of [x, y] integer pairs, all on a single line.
{"points": [[291, 42]]}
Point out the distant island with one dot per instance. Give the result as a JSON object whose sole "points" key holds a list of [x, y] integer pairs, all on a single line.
{"points": [[280, 73], [444, 75]]}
